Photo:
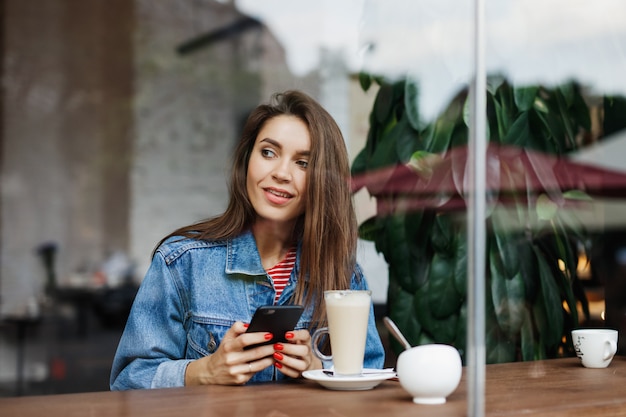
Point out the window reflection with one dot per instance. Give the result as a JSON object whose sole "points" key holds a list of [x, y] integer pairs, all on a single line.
{"points": [[118, 124]]}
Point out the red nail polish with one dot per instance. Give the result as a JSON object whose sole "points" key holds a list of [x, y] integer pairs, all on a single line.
{"points": [[268, 336], [278, 346], [246, 325], [289, 335], [278, 365], [278, 356]]}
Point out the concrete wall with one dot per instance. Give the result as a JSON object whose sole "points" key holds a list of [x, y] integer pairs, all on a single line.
{"points": [[67, 130]]}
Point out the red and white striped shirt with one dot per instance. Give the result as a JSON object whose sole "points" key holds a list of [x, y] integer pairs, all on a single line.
{"points": [[281, 272]]}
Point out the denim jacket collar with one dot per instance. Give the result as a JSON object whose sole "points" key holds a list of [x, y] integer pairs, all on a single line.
{"points": [[242, 256]]}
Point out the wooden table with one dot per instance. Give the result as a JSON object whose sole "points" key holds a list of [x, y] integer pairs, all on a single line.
{"points": [[560, 387]]}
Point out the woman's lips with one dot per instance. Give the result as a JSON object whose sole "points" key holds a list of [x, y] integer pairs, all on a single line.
{"points": [[277, 196]]}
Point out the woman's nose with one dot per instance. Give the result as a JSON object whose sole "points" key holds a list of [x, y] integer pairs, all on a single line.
{"points": [[281, 173]]}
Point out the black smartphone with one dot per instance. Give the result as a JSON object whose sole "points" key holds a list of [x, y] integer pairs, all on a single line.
{"points": [[277, 320]]}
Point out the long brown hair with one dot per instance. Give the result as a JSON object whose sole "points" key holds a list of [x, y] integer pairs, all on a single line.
{"points": [[328, 227]]}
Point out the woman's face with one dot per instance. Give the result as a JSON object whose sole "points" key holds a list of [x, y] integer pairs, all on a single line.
{"points": [[277, 169]]}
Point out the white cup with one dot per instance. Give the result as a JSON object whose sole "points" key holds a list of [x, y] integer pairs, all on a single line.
{"points": [[347, 312], [595, 347], [430, 372]]}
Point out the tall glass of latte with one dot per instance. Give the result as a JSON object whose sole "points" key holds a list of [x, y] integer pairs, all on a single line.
{"points": [[347, 312]]}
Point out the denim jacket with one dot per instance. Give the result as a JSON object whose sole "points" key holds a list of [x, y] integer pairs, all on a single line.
{"points": [[191, 295]]}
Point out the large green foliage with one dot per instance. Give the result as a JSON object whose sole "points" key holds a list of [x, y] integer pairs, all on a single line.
{"points": [[532, 246]]}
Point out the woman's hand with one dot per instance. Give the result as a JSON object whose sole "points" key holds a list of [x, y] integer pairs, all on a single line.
{"points": [[295, 357], [230, 364]]}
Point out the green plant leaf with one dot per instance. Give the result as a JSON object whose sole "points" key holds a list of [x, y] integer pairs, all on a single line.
{"points": [[467, 111], [411, 103], [365, 80], [397, 254], [385, 154], [502, 120], [407, 139], [426, 339], [528, 269], [571, 127], [512, 177], [505, 111], [568, 254], [438, 135], [506, 251], [509, 301], [384, 104], [547, 308], [461, 332], [577, 195], [519, 134], [459, 162], [525, 97], [545, 175], [443, 234], [460, 267], [370, 229], [403, 316], [580, 112], [404, 249], [444, 300], [548, 123], [568, 92], [540, 105], [572, 222], [401, 311], [418, 225], [527, 338], [494, 82], [359, 165], [500, 349], [546, 208], [443, 331], [424, 163]]}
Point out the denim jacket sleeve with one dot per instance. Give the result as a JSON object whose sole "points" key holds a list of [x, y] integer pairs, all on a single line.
{"points": [[154, 340]]}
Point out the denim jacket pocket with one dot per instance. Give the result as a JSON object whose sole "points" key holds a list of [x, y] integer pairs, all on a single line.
{"points": [[203, 339]]}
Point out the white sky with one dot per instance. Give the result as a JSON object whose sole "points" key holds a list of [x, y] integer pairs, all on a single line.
{"points": [[304, 26], [530, 41]]}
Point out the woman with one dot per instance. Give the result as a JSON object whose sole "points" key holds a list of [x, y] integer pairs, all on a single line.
{"points": [[290, 211]]}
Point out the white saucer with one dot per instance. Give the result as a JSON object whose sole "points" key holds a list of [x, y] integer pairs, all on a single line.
{"points": [[349, 383]]}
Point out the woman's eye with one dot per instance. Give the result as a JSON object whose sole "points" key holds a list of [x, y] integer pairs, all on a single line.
{"points": [[267, 153], [303, 164]]}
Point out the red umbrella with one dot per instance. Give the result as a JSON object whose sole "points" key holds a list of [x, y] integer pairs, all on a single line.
{"points": [[512, 174]]}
